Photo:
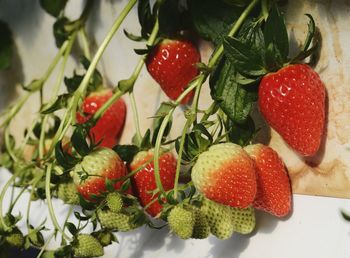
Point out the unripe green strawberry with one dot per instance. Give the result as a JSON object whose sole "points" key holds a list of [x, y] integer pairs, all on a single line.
{"points": [[104, 237], [91, 173], [68, 193], [87, 246], [116, 221], [114, 202], [226, 174], [201, 229], [243, 220], [15, 238], [219, 218], [181, 222]]}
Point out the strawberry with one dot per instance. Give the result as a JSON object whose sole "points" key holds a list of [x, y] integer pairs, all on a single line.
{"points": [[15, 238], [144, 181], [292, 100], [116, 220], [225, 174], [219, 218], [114, 202], [274, 190], [87, 246], [181, 221], [172, 64], [109, 127], [91, 173], [243, 220]]}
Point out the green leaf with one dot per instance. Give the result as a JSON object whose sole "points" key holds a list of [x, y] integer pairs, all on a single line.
{"points": [[146, 19], [78, 140], [6, 46], [126, 152], [60, 102], [133, 37], [53, 7], [234, 99], [80, 217], [241, 134], [213, 19], [345, 215], [73, 83], [109, 185], [245, 59], [59, 30], [145, 144], [163, 110], [275, 32], [64, 159], [169, 16]]}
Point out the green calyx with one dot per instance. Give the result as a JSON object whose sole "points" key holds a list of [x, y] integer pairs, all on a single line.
{"points": [[87, 246]]}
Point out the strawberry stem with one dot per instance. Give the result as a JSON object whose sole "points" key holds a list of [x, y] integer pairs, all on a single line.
{"points": [[2, 195], [136, 117], [49, 202]]}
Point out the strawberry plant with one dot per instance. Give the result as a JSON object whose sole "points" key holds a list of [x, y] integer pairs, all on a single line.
{"points": [[206, 181]]}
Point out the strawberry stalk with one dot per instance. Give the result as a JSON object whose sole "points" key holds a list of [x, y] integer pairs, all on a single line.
{"points": [[55, 92], [195, 84], [2, 195], [49, 203]]}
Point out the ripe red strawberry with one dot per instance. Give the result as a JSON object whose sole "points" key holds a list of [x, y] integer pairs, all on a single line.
{"points": [[226, 174], [172, 64], [274, 190], [110, 125], [91, 173], [144, 182], [292, 100]]}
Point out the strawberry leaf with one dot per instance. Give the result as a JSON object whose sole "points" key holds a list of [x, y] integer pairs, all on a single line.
{"points": [[60, 102], [275, 33], [234, 99], [212, 19], [132, 36], [126, 152], [64, 159], [146, 18], [71, 228], [78, 140], [243, 133], [53, 7], [6, 46], [246, 60], [170, 18], [59, 30]]}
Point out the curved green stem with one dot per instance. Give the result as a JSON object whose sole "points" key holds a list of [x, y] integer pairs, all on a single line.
{"points": [[14, 110], [2, 195], [43, 249], [8, 146], [85, 82], [85, 43], [16, 199], [136, 117], [180, 152], [49, 203]]}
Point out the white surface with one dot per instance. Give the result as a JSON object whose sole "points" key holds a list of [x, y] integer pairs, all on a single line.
{"points": [[315, 228]]}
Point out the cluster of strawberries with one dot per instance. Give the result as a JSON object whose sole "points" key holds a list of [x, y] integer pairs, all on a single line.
{"points": [[230, 179]]}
